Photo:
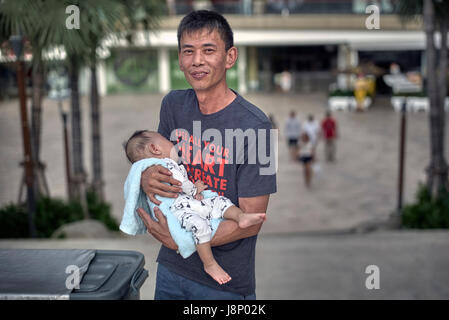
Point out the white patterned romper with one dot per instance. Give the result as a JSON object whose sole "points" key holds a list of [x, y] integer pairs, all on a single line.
{"points": [[195, 215]]}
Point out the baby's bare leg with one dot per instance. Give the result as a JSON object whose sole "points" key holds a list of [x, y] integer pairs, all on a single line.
{"points": [[244, 220], [210, 264]]}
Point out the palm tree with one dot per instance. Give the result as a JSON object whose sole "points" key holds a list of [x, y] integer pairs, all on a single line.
{"points": [[97, 20], [434, 15], [75, 44], [120, 16], [23, 16], [43, 21]]}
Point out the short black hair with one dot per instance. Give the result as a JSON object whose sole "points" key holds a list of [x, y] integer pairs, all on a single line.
{"points": [[140, 144], [206, 19]]}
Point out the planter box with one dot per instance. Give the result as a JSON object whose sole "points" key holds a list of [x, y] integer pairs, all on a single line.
{"points": [[415, 104], [397, 102], [340, 103], [346, 103]]}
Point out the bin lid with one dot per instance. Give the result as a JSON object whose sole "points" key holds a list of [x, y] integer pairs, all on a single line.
{"points": [[41, 273], [109, 275]]}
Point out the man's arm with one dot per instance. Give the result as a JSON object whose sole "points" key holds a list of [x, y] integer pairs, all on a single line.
{"points": [[229, 231]]}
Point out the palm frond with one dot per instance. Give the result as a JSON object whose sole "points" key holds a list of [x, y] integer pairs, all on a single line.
{"points": [[43, 23]]}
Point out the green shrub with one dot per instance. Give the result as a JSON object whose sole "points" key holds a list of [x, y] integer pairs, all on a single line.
{"points": [[101, 211], [418, 94], [341, 93], [13, 222], [427, 213], [51, 213]]}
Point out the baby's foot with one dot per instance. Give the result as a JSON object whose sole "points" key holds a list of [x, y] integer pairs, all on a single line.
{"points": [[249, 219], [217, 273]]}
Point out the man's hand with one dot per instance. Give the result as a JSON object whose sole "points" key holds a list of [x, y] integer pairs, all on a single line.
{"points": [[158, 230], [152, 182]]}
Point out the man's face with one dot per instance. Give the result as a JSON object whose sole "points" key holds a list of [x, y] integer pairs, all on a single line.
{"points": [[204, 59]]}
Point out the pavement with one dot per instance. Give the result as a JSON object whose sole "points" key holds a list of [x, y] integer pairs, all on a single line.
{"points": [[314, 244], [361, 186], [411, 264]]}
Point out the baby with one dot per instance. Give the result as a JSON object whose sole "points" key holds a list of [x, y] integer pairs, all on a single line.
{"points": [[190, 208]]}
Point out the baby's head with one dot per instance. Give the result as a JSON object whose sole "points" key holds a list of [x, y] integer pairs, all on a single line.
{"points": [[149, 144]]}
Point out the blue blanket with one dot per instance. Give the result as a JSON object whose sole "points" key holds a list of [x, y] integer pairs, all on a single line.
{"points": [[135, 198]]}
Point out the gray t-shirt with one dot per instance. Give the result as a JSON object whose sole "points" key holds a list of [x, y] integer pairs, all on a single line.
{"points": [[236, 175]]}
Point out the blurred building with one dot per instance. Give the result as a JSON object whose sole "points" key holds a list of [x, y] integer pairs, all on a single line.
{"points": [[312, 39], [315, 40]]}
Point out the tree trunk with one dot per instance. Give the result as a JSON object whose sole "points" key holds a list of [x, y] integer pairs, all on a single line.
{"points": [[437, 169], [36, 110], [429, 26], [79, 175], [36, 125], [97, 182], [441, 174]]}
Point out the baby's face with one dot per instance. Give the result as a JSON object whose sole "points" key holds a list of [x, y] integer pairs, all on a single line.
{"points": [[167, 148]]}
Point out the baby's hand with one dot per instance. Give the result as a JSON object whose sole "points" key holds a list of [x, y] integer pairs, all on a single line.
{"points": [[200, 186], [199, 196]]}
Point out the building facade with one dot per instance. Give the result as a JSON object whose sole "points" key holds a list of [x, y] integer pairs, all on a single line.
{"points": [[314, 40]]}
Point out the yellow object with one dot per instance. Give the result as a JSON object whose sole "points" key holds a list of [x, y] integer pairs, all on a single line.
{"points": [[371, 86], [361, 88]]}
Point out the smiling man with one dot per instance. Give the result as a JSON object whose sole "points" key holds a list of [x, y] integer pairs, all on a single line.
{"points": [[206, 52]]}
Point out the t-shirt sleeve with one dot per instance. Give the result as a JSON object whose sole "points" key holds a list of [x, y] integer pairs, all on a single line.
{"points": [[257, 175], [165, 118]]}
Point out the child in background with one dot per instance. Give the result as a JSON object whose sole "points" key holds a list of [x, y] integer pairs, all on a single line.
{"points": [[306, 155]]}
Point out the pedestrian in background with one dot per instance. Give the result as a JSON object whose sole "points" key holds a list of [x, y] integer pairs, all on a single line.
{"points": [[313, 129], [329, 131], [285, 81], [306, 157], [292, 132]]}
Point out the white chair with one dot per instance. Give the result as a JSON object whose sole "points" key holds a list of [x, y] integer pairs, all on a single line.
{"points": [[338, 103], [397, 102], [417, 104]]}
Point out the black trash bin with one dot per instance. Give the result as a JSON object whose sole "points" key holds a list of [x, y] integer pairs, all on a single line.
{"points": [[46, 274], [112, 275]]}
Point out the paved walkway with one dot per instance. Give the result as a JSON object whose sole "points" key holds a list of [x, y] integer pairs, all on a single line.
{"points": [[292, 263], [412, 264], [359, 187]]}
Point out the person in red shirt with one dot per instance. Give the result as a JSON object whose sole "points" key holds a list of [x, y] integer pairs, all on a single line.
{"points": [[329, 132]]}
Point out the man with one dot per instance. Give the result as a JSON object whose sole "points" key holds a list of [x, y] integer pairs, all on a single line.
{"points": [[312, 128], [329, 129], [206, 52]]}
